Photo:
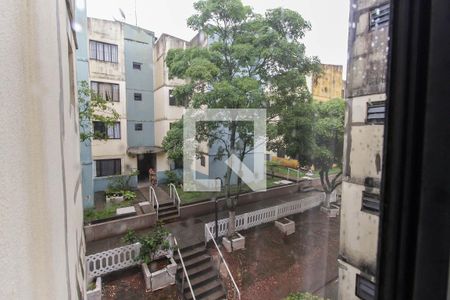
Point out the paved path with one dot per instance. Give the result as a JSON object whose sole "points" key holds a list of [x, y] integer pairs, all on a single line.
{"points": [[191, 231]]}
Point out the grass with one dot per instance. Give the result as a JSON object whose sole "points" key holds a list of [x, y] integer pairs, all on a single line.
{"points": [[284, 171], [92, 214], [192, 197]]}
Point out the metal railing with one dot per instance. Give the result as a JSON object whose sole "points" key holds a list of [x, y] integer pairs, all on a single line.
{"points": [[154, 200], [185, 273], [290, 170], [173, 194], [236, 289]]}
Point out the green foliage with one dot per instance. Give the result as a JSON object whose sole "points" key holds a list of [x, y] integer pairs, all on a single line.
{"points": [[173, 141], [91, 108], [151, 243], [121, 183], [172, 177], [303, 296], [254, 61]]}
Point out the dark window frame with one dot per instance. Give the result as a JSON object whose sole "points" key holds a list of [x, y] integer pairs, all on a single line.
{"points": [[361, 286], [137, 96], [202, 160], [115, 87], [137, 66], [378, 20], [138, 127], [117, 167], [370, 202], [376, 112], [105, 130], [172, 99], [113, 53]]}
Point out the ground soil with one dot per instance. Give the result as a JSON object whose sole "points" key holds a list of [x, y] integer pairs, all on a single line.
{"points": [[130, 285], [272, 266]]}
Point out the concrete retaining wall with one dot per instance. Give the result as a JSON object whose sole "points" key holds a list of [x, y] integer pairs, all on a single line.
{"points": [[117, 227]]}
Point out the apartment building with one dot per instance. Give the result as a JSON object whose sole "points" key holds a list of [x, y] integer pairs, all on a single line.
{"points": [[41, 242], [363, 145], [167, 110], [328, 85], [121, 71]]}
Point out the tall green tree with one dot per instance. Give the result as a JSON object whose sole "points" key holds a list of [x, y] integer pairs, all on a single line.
{"points": [[314, 133], [252, 61], [92, 107]]}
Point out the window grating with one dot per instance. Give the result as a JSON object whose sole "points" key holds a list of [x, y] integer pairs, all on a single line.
{"points": [[103, 51], [365, 289], [137, 96], [370, 202], [376, 112], [138, 127], [379, 16]]}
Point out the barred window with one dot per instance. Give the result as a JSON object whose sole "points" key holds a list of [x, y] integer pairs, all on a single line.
{"points": [[379, 16], [370, 202], [365, 289], [376, 112], [108, 91], [103, 51], [172, 100], [108, 167]]}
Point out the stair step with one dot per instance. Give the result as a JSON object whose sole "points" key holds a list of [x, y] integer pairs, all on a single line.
{"points": [[190, 247], [200, 280], [217, 295], [167, 213], [165, 204], [196, 271], [189, 254], [204, 290], [168, 208], [195, 261]]}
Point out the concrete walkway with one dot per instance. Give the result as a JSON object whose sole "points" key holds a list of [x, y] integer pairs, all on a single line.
{"points": [[191, 231]]}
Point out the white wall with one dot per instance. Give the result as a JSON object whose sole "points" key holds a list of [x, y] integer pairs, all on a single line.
{"points": [[41, 237]]}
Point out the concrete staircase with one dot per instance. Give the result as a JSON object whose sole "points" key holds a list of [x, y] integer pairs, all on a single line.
{"points": [[203, 275], [167, 212]]}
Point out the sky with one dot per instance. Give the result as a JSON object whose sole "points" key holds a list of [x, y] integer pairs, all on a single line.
{"points": [[327, 39]]}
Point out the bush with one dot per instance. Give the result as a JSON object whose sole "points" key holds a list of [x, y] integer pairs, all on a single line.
{"points": [[303, 296], [172, 177]]}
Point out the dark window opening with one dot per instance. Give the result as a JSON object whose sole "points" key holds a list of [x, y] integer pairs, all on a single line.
{"points": [[137, 66], [376, 112], [172, 100], [370, 202], [108, 167], [103, 131], [365, 289], [379, 16], [108, 91], [137, 96], [202, 160], [103, 51], [138, 127]]}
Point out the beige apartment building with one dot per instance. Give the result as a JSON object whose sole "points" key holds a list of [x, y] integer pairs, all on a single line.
{"points": [[328, 85], [41, 216], [363, 148]]}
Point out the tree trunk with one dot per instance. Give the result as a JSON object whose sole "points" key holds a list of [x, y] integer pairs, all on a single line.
{"points": [[326, 202], [231, 223], [230, 203]]}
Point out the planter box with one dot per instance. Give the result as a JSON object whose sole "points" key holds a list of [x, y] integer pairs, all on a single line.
{"points": [[95, 294], [114, 199], [331, 212], [160, 278], [238, 243], [285, 225]]}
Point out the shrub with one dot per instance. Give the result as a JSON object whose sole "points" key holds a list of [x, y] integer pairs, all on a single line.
{"points": [[303, 296], [172, 177]]}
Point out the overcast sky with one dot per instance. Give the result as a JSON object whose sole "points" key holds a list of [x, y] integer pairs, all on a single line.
{"points": [[329, 20]]}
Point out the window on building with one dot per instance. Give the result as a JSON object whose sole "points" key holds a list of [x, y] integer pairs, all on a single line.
{"points": [[365, 289], [376, 112], [103, 131], [202, 160], [172, 100], [137, 66], [106, 90], [108, 167], [370, 202], [138, 127], [171, 125], [379, 16], [103, 51], [137, 96]]}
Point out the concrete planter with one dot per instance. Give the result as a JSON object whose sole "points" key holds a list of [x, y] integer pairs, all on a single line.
{"points": [[95, 294], [332, 211], [160, 278], [114, 199], [285, 225], [236, 243]]}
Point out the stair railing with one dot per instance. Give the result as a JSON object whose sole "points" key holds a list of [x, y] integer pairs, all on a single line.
{"points": [[290, 170], [235, 287], [173, 194], [154, 200], [185, 273]]}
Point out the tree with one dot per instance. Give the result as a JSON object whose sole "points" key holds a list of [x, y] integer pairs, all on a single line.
{"points": [[93, 108], [253, 61], [316, 137], [173, 141]]}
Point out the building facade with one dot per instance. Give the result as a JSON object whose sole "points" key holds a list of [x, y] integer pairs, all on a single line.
{"points": [[328, 85], [363, 148], [121, 70], [41, 241]]}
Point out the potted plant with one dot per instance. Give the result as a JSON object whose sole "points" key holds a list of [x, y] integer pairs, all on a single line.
{"points": [[159, 269], [235, 242], [115, 197], [285, 225], [94, 290]]}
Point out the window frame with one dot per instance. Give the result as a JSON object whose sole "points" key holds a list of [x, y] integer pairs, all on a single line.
{"points": [[117, 165], [112, 53], [202, 160], [172, 99], [375, 105], [360, 278], [137, 96], [137, 66], [114, 86], [138, 127], [373, 24], [116, 125], [373, 198]]}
